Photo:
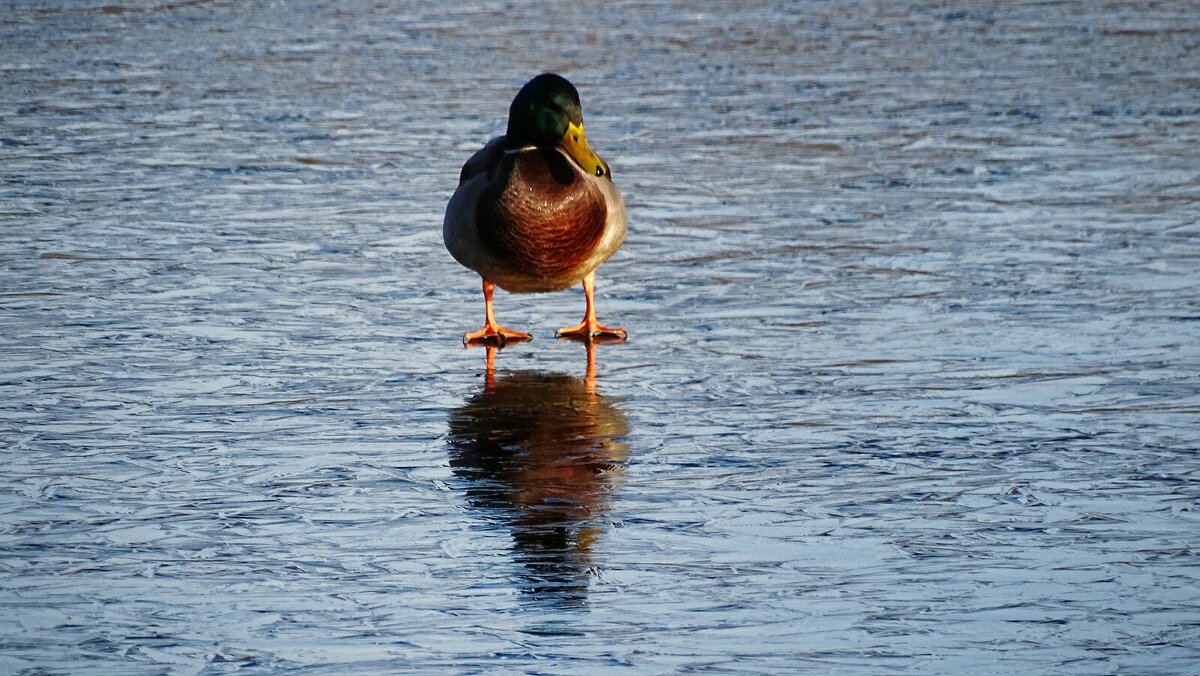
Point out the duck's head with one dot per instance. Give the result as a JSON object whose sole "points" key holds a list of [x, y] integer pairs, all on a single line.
{"points": [[546, 113]]}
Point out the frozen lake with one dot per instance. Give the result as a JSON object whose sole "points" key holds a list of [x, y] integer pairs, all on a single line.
{"points": [[912, 383]]}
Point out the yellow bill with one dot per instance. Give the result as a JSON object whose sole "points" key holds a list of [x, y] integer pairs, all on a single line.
{"points": [[576, 146]]}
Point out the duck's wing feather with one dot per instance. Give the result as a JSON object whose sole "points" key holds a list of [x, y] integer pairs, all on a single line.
{"points": [[484, 160]]}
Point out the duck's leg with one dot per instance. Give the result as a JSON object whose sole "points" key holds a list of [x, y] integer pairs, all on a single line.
{"points": [[590, 328], [491, 331]]}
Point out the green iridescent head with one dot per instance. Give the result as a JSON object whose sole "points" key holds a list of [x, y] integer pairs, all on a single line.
{"points": [[546, 113]]}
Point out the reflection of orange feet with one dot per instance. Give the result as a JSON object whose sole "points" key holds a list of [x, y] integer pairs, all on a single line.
{"points": [[494, 334], [589, 331]]}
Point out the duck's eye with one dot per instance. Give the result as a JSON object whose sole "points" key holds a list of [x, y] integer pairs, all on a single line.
{"points": [[599, 171]]}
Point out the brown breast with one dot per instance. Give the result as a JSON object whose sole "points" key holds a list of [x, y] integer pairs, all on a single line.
{"points": [[540, 214]]}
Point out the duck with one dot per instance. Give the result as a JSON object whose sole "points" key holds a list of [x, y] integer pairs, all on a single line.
{"points": [[536, 210]]}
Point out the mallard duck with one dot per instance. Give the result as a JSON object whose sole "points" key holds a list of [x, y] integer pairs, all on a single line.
{"points": [[536, 210]]}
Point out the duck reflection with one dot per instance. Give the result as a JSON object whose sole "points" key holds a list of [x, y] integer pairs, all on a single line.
{"points": [[540, 453]]}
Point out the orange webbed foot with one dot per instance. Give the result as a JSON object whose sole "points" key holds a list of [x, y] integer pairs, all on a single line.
{"points": [[592, 330], [494, 334], [589, 329]]}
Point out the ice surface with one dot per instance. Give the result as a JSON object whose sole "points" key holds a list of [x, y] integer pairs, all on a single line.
{"points": [[913, 294]]}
